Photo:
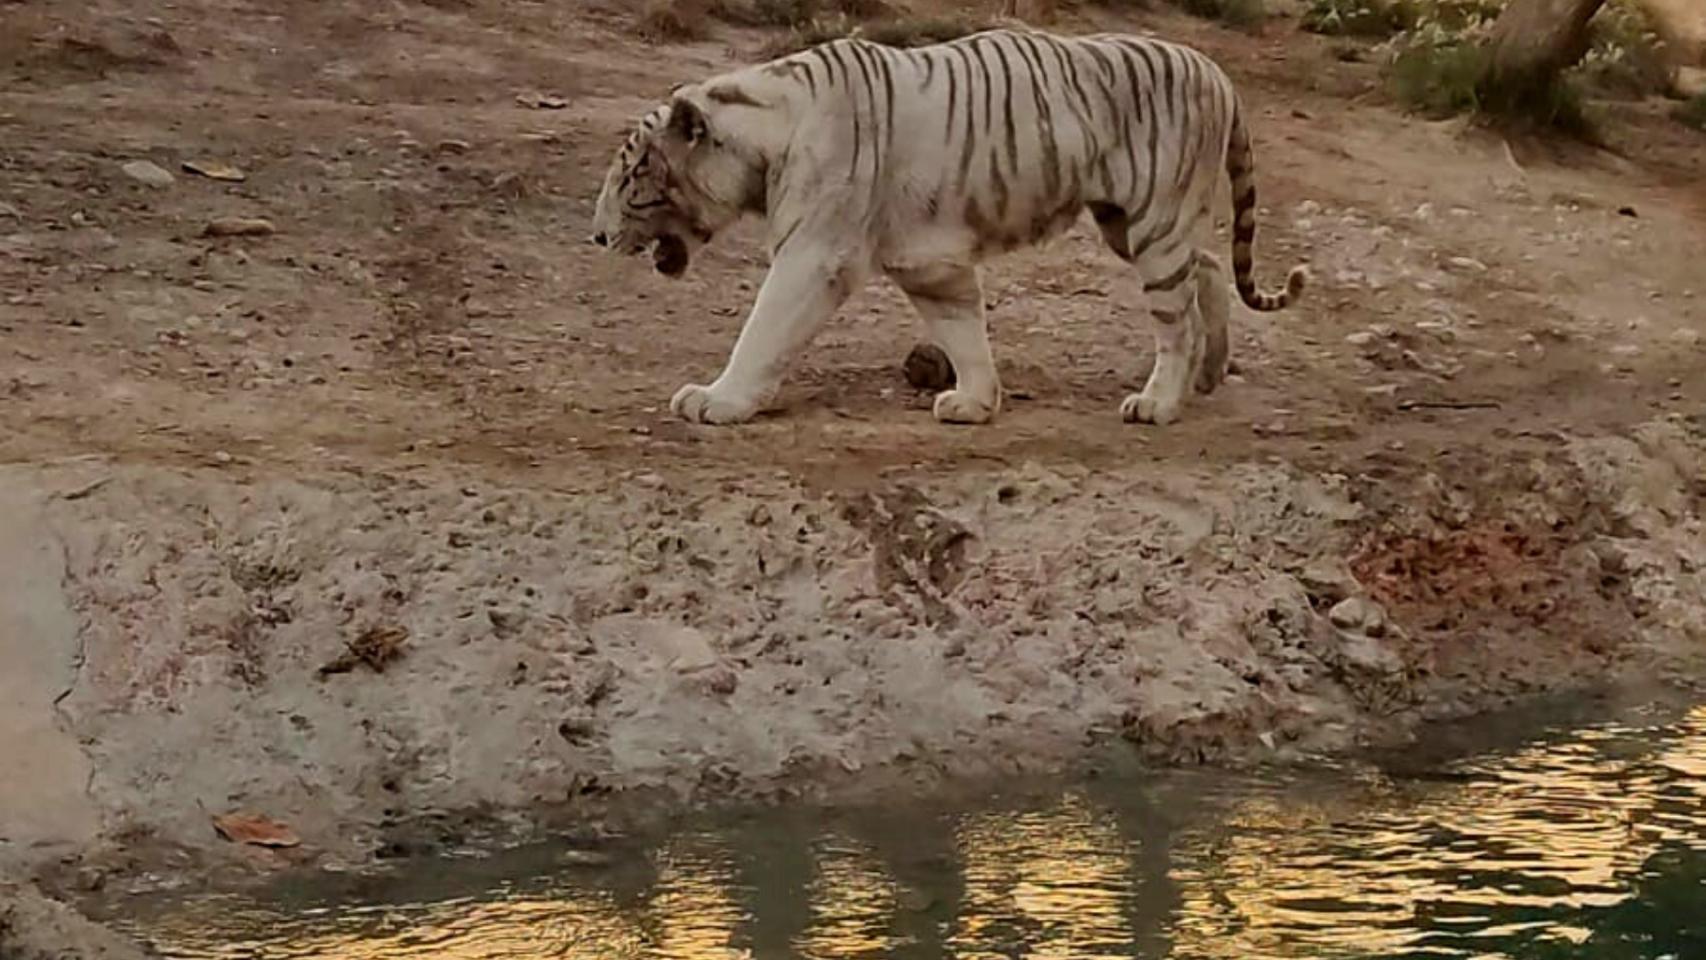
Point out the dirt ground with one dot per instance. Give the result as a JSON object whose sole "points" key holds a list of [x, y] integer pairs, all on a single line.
{"points": [[424, 414]]}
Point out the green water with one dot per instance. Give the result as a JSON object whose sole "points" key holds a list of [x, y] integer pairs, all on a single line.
{"points": [[1587, 842]]}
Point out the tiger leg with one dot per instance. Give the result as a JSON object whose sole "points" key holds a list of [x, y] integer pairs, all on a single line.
{"points": [[1169, 284], [949, 299], [799, 295], [1214, 311]]}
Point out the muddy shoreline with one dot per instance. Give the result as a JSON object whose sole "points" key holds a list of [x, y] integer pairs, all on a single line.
{"points": [[561, 651]]}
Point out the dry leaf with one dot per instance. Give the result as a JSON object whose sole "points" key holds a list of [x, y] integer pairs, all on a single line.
{"points": [[215, 170], [252, 828], [377, 647]]}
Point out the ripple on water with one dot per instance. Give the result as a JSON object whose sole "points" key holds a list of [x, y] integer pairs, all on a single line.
{"points": [[1589, 844]]}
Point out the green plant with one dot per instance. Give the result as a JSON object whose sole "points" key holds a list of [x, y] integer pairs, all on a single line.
{"points": [[1440, 67], [1692, 112], [1439, 79], [1625, 55], [1359, 18]]}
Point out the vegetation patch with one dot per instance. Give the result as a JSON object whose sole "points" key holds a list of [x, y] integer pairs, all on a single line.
{"points": [[674, 21], [1692, 113], [1625, 55], [1360, 18], [1439, 67]]}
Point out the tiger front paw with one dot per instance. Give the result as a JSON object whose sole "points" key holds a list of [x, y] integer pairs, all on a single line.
{"points": [[1147, 408], [697, 404]]}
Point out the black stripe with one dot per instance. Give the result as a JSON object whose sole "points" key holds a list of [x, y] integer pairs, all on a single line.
{"points": [[858, 124], [859, 52], [1138, 91], [786, 235], [1045, 132], [1191, 125], [882, 56], [823, 57], [1007, 106], [1171, 281], [811, 78], [1167, 66], [929, 57], [988, 85], [971, 122], [953, 100], [1076, 99]]}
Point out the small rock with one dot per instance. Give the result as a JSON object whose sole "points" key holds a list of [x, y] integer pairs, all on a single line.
{"points": [[454, 146], [722, 681], [239, 227], [1466, 264], [221, 457], [1349, 614], [149, 173], [584, 858], [1627, 212], [1361, 338], [1438, 330]]}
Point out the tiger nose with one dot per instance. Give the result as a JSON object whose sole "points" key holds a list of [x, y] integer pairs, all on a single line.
{"points": [[601, 238]]}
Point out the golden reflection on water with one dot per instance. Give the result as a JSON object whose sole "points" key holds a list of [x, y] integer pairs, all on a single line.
{"points": [[1052, 880], [852, 898], [1349, 870]]}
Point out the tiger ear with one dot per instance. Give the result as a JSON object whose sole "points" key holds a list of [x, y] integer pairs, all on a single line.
{"points": [[686, 120]]}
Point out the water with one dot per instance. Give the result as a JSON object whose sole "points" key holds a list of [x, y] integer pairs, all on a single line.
{"points": [[1586, 843]]}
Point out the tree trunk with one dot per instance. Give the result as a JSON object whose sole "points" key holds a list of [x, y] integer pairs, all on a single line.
{"points": [[1533, 41]]}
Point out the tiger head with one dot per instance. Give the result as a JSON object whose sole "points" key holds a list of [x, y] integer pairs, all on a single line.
{"points": [[674, 184]]}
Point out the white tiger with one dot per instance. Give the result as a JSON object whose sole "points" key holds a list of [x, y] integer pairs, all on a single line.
{"points": [[919, 163]]}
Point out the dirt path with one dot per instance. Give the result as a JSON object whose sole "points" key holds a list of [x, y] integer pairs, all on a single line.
{"points": [[425, 408]]}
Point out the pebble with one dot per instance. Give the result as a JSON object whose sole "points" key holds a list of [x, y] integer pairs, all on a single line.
{"points": [[1361, 338], [150, 173], [1358, 613], [239, 227], [1466, 264]]}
